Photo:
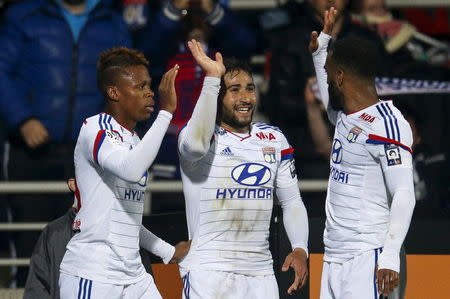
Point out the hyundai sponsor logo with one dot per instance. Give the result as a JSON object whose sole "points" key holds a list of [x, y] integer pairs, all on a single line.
{"points": [[251, 174]]}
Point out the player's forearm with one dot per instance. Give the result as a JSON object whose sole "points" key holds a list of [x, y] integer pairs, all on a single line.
{"points": [[295, 217], [319, 59], [155, 245], [130, 165], [400, 218], [400, 185], [194, 140]]}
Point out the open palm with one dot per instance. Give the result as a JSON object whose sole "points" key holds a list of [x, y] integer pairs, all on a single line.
{"points": [[212, 68]]}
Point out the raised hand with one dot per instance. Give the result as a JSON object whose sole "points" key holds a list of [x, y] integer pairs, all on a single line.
{"points": [[328, 24], [212, 68], [167, 92], [296, 260]]}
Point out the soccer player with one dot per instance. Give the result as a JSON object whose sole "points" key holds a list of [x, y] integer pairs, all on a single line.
{"points": [[230, 168], [370, 198], [102, 258]]}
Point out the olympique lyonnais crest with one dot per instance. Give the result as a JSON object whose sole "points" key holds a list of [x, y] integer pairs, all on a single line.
{"points": [[353, 134], [269, 154]]}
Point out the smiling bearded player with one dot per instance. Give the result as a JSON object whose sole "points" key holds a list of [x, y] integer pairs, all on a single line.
{"points": [[230, 169]]}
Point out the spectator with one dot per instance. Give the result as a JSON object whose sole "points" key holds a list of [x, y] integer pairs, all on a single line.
{"points": [[291, 67], [400, 37], [48, 54], [159, 41], [188, 84]]}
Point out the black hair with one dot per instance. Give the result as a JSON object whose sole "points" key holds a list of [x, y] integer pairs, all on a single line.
{"points": [[112, 62], [357, 56], [233, 65]]}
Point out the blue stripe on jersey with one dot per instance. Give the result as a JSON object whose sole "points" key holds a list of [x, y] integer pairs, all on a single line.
{"points": [[375, 275], [79, 288], [89, 289], [395, 121], [84, 288], [390, 121], [287, 157], [105, 125], [386, 126], [385, 122], [109, 122], [100, 121]]}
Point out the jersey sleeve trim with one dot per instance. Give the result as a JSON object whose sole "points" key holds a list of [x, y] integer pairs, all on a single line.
{"points": [[98, 143], [287, 154], [375, 139]]}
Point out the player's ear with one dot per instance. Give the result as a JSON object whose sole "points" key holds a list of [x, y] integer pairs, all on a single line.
{"points": [[113, 93]]}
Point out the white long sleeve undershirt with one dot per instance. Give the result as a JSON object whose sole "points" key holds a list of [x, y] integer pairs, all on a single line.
{"points": [[194, 140], [129, 165], [295, 217], [155, 245], [319, 59]]}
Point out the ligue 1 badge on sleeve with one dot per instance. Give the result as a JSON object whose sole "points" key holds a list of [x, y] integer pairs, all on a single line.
{"points": [[353, 134], [269, 154], [392, 154]]}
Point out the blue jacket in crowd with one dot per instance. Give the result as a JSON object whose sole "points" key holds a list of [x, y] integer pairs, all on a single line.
{"points": [[48, 74]]}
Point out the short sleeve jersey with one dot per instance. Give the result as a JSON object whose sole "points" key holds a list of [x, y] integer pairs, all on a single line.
{"points": [[229, 197], [366, 144], [106, 245]]}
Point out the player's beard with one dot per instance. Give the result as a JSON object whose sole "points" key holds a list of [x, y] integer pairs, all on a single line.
{"points": [[233, 121], [336, 97]]}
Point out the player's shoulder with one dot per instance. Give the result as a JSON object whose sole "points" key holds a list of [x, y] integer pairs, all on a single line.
{"points": [[390, 125], [266, 131], [101, 121]]}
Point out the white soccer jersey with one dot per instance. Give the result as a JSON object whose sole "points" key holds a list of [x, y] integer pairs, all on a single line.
{"points": [[106, 247], [229, 196], [366, 145]]}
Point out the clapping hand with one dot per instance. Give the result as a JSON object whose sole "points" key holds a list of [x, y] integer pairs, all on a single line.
{"points": [[328, 24], [212, 68]]}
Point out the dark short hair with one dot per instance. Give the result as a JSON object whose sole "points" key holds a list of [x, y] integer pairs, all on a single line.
{"points": [[357, 56], [233, 65], [112, 62]]}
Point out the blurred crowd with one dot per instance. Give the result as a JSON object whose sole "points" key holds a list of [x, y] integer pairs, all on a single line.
{"points": [[48, 54]]}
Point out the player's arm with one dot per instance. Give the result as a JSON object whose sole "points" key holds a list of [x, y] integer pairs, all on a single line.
{"points": [[159, 247], [194, 140], [396, 164], [105, 149], [295, 219], [318, 47]]}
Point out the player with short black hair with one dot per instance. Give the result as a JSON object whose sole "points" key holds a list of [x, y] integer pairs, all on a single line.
{"points": [[111, 162], [370, 198]]}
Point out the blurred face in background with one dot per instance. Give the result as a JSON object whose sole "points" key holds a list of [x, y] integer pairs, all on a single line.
{"points": [[321, 5], [374, 8]]}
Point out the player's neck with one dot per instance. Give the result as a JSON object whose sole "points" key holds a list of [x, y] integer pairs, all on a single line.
{"points": [[121, 119], [227, 127], [358, 104], [360, 98]]}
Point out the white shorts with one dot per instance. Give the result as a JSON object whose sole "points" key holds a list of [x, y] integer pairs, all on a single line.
{"points": [[353, 279], [204, 284], [74, 287]]}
